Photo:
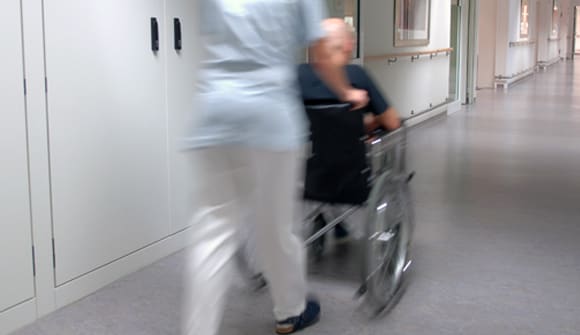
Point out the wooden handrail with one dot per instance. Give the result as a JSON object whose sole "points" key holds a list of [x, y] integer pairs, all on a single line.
{"points": [[413, 55], [521, 43]]}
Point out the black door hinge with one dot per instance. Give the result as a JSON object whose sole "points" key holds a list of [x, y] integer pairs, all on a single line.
{"points": [[53, 254], [33, 261]]}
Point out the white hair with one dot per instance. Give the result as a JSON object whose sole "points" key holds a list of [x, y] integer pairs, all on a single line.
{"points": [[337, 31]]}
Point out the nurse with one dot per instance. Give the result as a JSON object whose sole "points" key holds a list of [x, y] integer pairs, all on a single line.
{"points": [[245, 153]]}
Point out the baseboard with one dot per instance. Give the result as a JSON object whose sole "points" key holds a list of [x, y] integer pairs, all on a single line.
{"points": [[429, 114], [453, 107], [505, 82], [544, 65], [93, 281], [17, 317]]}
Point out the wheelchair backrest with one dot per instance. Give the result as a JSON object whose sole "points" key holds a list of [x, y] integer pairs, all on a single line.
{"points": [[337, 170]]}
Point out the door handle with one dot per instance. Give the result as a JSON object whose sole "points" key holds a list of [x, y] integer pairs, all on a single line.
{"points": [[178, 42], [154, 34]]}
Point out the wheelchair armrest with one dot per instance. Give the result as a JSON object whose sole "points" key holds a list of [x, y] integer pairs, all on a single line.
{"points": [[327, 106], [379, 132]]}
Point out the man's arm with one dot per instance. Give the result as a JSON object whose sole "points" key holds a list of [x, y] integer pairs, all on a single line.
{"points": [[384, 115], [389, 119]]}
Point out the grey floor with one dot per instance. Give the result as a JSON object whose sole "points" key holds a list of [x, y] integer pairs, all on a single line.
{"points": [[497, 244]]}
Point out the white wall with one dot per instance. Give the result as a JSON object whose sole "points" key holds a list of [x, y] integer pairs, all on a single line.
{"points": [[16, 271], [543, 34], [111, 104], [410, 86], [502, 53], [513, 59], [572, 4], [549, 48], [567, 32], [468, 50], [567, 29], [575, 32], [522, 57], [487, 43]]}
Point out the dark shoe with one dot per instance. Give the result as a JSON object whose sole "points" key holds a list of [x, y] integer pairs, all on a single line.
{"points": [[309, 317], [341, 235]]}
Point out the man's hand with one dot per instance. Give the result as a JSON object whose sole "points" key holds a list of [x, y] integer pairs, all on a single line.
{"points": [[358, 98], [370, 122], [390, 119]]}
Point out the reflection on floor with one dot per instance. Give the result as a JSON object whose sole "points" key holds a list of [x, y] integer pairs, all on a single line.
{"points": [[497, 244]]}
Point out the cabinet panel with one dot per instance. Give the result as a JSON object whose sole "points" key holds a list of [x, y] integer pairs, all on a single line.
{"points": [[108, 130], [181, 76], [16, 266]]}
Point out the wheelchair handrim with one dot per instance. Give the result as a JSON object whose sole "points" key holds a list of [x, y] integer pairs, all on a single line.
{"points": [[386, 253]]}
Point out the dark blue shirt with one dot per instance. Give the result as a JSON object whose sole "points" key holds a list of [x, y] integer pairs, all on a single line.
{"points": [[314, 90]]}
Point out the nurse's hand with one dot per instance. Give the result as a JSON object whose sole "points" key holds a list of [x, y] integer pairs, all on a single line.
{"points": [[358, 98]]}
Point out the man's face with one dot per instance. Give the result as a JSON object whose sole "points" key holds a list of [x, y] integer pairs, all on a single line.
{"points": [[350, 44], [347, 49]]}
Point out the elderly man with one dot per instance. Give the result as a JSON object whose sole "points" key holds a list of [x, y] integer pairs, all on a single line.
{"points": [[378, 114], [251, 128]]}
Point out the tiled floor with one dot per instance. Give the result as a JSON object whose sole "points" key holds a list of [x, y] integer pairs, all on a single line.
{"points": [[497, 245]]}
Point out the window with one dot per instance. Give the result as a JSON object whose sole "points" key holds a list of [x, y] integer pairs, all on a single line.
{"points": [[555, 19], [524, 19]]}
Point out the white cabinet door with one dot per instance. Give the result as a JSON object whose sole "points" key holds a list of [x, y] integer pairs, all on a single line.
{"points": [[16, 265], [181, 77], [108, 131]]}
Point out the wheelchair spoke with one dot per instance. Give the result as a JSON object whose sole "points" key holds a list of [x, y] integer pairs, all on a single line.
{"points": [[385, 248], [382, 236]]}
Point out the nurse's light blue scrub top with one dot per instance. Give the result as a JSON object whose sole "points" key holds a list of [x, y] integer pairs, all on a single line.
{"points": [[247, 91]]}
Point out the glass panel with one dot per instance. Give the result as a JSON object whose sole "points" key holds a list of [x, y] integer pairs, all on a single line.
{"points": [[454, 58], [555, 19], [302, 56], [577, 35]]}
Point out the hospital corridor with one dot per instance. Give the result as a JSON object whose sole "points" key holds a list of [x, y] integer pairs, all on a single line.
{"points": [[462, 215]]}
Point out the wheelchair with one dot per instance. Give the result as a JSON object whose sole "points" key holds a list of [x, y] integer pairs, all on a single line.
{"points": [[348, 167], [345, 166]]}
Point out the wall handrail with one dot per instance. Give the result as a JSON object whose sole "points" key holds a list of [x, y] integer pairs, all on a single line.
{"points": [[392, 58], [521, 43]]}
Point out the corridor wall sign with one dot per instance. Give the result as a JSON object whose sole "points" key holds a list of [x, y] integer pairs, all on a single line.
{"points": [[524, 20]]}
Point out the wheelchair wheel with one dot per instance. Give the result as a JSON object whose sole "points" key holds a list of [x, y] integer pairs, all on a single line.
{"points": [[388, 229]]}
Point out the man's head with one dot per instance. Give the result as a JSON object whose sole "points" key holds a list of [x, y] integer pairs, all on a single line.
{"points": [[340, 39]]}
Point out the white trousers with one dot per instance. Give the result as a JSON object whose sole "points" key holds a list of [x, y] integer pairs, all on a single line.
{"points": [[243, 190]]}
